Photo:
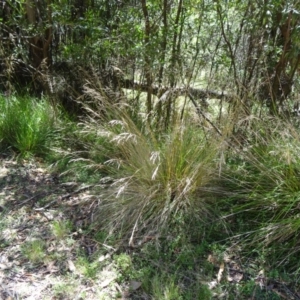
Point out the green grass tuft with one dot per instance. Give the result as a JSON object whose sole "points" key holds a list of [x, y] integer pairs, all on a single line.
{"points": [[27, 125], [34, 251]]}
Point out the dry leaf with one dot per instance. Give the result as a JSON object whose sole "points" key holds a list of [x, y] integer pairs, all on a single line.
{"points": [[134, 285], [51, 267], [212, 259], [4, 266], [221, 270], [212, 284], [235, 276], [3, 172], [104, 257], [106, 282], [71, 266]]}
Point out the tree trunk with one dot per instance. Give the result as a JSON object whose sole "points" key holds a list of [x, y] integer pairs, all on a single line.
{"points": [[39, 44], [147, 57]]}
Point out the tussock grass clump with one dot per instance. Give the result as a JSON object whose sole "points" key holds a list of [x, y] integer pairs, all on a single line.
{"points": [[269, 182], [26, 125], [157, 180]]}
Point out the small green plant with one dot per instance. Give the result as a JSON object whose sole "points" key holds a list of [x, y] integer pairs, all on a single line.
{"points": [[86, 267], [26, 125], [203, 293], [124, 264], [61, 229], [165, 287], [34, 251], [63, 290]]}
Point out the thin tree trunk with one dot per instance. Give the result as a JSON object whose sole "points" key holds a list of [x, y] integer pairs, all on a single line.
{"points": [[165, 30], [148, 75], [39, 45], [174, 58]]}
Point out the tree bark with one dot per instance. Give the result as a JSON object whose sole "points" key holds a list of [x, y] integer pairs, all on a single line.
{"points": [[147, 58], [39, 44]]}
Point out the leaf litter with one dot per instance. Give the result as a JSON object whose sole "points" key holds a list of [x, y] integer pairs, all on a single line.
{"points": [[34, 263]]}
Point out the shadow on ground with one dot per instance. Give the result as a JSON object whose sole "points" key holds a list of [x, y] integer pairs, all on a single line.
{"points": [[44, 253]]}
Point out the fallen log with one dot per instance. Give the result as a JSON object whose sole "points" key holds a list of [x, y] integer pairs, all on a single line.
{"points": [[197, 93]]}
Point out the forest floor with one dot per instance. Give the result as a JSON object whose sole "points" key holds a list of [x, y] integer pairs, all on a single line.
{"points": [[47, 252], [43, 251]]}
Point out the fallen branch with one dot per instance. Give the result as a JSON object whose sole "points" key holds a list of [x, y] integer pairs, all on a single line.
{"points": [[180, 91], [200, 113]]}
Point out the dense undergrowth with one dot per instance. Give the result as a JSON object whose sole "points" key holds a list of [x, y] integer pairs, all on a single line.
{"points": [[185, 200]]}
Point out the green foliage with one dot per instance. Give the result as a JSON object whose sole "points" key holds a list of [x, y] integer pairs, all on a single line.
{"points": [[86, 267], [124, 265], [63, 290], [158, 183], [79, 153], [165, 288], [34, 251], [61, 229], [267, 188], [26, 125], [175, 269]]}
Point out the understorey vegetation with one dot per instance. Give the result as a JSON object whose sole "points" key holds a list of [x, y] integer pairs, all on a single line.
{"points": [[149, 150]]}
